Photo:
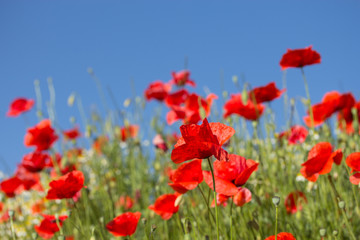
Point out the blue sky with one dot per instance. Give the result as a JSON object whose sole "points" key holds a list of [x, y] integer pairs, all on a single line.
{"points": [[146, 40]]}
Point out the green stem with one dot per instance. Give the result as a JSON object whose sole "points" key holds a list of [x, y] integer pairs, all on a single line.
{"points": [[12, 226], [216, 206], [348, 225], [231, 219], [207, 204], [308, 98], [276, 222]]}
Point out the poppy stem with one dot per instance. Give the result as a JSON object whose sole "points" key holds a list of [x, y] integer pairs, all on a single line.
{"points": [[59, 225], [276, 221], [216, 206], [308, 98], [231, 219], [11, 214], [207, 204]]}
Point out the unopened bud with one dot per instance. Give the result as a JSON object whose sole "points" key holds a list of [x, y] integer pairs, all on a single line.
{"points": [[153, 228], [276, 200], [322, 232], [335, 233], [341, 204]]}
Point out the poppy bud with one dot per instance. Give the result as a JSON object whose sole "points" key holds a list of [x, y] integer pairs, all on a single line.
{"points": [[322, 232], [276, 201]]}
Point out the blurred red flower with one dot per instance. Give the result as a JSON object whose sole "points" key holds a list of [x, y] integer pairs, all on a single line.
{"points": [[35, 161], [125, 202], [72, 134], [202, 141], [19, 106], [282, 236], [66, 186], [29, 180], [99, 143], [250, 111], [130, 131], [124, 224], [189, 112], [320, 160], [332, 102], [299, 58], [48, 226], [42, 136], [221, 199], [266, 93], [293, 202], [165, 205], [182, 78], [159, 143], [187, 177], [10, 185], [157, 90], [242, 197], [295, 135], [353, 161], [177, 98], [38, 207]]}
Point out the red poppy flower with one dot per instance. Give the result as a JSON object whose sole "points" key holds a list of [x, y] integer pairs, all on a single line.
{"points": [[221, 199], [99, 143], [182, 78], [36, 161], [320, 160], [165, 205], [202, 141], [242, 197], [355, 179], [48, 226], [159, 143], [332, 102], [235, 105], [296, 135], [124, 224], [157, 90], [125, 202], [66, 186], [19, 106], [299, 58], [130, 131], [266, 93], [9, 186], [282, 236], [42, 136], [222, 186], [190, 111], [293, 202], [353, 161], [72, 134], [176, 98], [187, 176], [38, 207], [237, 170], [29, 180]]}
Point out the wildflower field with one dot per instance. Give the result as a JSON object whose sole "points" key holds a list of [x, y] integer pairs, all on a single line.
{"points": [[227, 173]]}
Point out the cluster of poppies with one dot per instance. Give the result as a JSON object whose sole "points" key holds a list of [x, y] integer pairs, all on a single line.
{"points": [[229, 172]]}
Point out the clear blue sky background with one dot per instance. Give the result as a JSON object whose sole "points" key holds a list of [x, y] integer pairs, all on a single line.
{"points": [[146, 40]]}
